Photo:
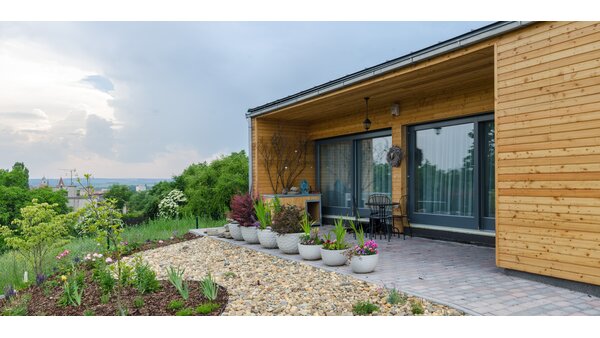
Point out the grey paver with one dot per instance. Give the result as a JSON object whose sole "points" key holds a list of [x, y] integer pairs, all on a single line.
{"points": [[463, 276]]}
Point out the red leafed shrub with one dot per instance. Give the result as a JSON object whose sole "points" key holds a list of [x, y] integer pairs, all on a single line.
{"points": [[242, 210]]}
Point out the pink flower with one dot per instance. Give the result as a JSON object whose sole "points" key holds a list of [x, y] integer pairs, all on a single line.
{"points": [[160, 241], [108, 260]]}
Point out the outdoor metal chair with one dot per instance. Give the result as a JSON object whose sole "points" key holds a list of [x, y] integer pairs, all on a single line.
{"points": [[380, 217], [400, 214]]}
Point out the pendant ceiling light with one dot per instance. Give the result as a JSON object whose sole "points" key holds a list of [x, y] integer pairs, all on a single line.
{"points": [[367, 122]]}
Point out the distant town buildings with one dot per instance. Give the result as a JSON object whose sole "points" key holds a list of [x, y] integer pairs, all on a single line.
{"points": [[76, 197], [141, 187]]}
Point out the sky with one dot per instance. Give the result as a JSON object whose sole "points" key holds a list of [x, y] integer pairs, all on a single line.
{"points": [[147, 99]]}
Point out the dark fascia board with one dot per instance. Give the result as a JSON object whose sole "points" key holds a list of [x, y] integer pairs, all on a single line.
{"points": [[461, 41]]}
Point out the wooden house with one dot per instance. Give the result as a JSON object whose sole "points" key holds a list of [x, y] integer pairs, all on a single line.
{"points": [[501, 140]]}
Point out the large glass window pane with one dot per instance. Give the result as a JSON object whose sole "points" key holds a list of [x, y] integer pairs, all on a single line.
{"points": [[489, 180], [336, 174], [444, 163], [374, 172]]}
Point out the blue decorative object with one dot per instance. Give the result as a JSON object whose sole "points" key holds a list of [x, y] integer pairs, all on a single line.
{"points": [[304, 187]]}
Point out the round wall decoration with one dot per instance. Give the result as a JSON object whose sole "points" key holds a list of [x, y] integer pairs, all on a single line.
{"points": [[394, 156]]}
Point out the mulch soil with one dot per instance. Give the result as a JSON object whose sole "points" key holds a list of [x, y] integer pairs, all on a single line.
{"points": [[149, 245], [44, 298]]}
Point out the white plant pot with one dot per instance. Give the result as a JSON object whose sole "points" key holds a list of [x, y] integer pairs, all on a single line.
{"points": [[334, 257], [288, 243], [309, 252], [364, 264], [235, 231], [249, 234], [267, 238]]}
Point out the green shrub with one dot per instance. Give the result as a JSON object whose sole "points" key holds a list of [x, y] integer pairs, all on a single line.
{"points": [[104, 299], [39, 231], [89, 313], [185, 312], [395, 297], [229, 274], [176, 278], [209, 288], [207, 308], [17, 306], [364, 308], [416, 308], [104, 278], [138, 302], [145, 278], [175, 305]]}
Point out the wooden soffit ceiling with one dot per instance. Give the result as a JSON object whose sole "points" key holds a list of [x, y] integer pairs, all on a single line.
{"points": [[472, 69]]}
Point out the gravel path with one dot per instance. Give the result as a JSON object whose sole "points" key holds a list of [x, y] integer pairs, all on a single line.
{"points": [[262, 284]]}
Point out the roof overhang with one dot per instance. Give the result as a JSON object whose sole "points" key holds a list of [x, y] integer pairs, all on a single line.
{"points": [[461, 41]]}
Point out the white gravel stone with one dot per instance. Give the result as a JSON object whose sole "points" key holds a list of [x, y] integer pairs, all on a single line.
{"points": [[261, 284]]}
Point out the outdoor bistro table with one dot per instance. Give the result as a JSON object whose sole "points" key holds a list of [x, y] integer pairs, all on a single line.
{"points": [[381, 215]]}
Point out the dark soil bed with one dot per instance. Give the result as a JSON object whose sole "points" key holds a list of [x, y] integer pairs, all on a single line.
{"points": [[149, 245], [44, 300]]}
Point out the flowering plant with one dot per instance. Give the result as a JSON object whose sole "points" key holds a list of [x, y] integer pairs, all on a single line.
{"points": [[339, 243], [62, 254], [169, 206], [363, 248], [367, 249], [311, 235]]}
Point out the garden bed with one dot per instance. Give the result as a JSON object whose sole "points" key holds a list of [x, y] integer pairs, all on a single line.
{"points": [[165, 300], [43, 301]]}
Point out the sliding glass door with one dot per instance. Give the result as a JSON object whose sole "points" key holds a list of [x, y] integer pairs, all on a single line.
{"points": [[451, 173], [351, 168]]}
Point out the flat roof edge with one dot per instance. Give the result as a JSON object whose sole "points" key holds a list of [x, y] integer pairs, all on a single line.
{"points": [[458, 42]]}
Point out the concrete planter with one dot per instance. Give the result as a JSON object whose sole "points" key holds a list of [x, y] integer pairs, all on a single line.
{"points": [[235, 231], [334, 257], [309, 252], [288, 243], [249, 235], [364, 264], [267, 238]]}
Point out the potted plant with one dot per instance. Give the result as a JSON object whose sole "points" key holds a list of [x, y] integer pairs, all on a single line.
{"points": [[333, 251], [242, 211], [286, 223], [266, 237], [364, 256], [310, 243]]}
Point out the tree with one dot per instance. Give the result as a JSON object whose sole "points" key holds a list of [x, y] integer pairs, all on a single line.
{"points": [[38, 232], [209, 186], [284, 158], [17, 177], [120, 193], [56, 198]]}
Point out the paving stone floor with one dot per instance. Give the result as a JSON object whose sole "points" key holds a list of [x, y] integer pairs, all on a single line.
{"points": [[462, 276]]}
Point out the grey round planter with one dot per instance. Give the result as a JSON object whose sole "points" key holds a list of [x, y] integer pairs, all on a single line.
{"points": [[288, 243], [235, 231], [309, 252], [249, 234], [334, 257], [267, 238], [364, 264]]}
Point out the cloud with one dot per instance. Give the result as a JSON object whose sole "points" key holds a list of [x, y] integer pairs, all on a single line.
{"points": [[149, 98], [99, 82]]}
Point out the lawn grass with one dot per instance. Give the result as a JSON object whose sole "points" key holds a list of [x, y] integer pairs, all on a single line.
{"points": [[12, 265]]}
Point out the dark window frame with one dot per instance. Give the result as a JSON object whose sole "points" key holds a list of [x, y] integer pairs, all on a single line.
{"points": [[354, 177], [475, 222]]}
